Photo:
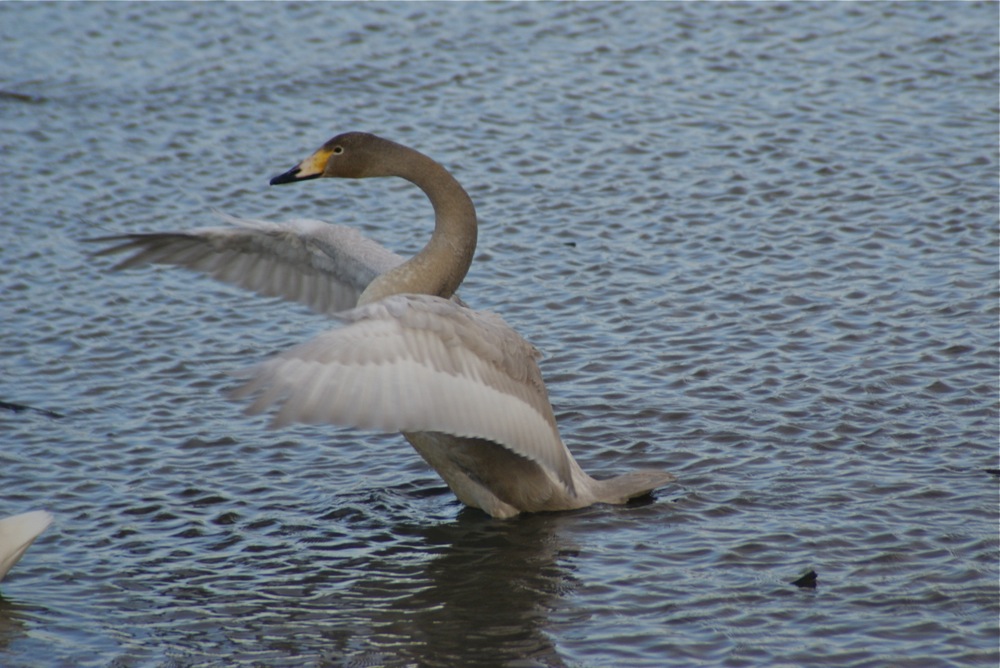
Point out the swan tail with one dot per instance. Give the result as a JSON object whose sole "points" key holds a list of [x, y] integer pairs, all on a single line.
{"points": [[631, 485]]}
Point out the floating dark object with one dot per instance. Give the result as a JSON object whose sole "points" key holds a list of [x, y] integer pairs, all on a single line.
{"points": [[20, 97], [993, 471], [807, 581], [21, 408]]}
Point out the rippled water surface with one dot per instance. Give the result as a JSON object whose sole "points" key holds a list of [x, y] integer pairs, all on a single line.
{"points": [[756, 243]]}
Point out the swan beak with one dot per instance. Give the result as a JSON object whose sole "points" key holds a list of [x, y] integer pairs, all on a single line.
{"points": [[310, 168]]}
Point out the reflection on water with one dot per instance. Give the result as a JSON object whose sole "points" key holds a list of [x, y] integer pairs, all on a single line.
{"points": [[473, 591], [15, 620], [479, 594]]}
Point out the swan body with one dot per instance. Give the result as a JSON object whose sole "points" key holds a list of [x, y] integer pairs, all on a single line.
{"points": [[17, 533], [462, 386]]}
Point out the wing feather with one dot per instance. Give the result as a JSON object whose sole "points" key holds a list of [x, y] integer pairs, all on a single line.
{"points": [[417, 363], [324, 266]]}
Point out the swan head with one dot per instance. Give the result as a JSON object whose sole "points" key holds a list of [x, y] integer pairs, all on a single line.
{"points": [[352, 155]]}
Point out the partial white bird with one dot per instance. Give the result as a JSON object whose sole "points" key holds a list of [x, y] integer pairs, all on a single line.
{"points": [[17, 533], [462, 386]]}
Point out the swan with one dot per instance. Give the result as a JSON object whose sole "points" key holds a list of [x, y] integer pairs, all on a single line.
{"points": [[461, 385], [17, 533]]}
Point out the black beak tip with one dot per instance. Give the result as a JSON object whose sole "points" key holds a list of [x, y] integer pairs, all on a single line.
{"points": [[287, 177], [292, 176]]}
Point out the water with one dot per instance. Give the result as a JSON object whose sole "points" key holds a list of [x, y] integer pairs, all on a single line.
{"points": [[757, 244]]}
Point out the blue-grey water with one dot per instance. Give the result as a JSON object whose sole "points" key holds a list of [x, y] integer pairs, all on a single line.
{"points": [[757, 244]]}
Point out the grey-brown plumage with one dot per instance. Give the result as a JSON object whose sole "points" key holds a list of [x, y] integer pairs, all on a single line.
{"points": [[461, 385]]}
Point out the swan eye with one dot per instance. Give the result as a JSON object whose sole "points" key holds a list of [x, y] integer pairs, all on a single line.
{"points": [[337, 150]]}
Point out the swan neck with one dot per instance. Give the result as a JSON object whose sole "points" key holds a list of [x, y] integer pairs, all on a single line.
{"points": [[439, 268]]}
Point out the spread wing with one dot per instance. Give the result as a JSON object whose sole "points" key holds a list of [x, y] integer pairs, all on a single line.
{"points": [[415, 363], [323, 266]]}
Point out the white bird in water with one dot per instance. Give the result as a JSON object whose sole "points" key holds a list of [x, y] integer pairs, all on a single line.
{"points": [[462, 386], [17, 533]]}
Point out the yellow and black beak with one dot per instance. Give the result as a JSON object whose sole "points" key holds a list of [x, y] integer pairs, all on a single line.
{"points": [[310, 168]]}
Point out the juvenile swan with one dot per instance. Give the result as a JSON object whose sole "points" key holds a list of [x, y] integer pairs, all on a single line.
{"points": [[17, 533], [461, 385]]}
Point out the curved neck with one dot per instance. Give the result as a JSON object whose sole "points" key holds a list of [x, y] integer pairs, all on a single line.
{"points": [[439, 268]]}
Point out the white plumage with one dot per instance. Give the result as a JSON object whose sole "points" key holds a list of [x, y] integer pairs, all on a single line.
{"points": [[17, 533], [416, 363]]}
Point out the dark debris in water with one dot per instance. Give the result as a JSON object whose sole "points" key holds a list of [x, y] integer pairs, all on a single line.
{"points": [[19, 97], [807, 581], [21, 408]]}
